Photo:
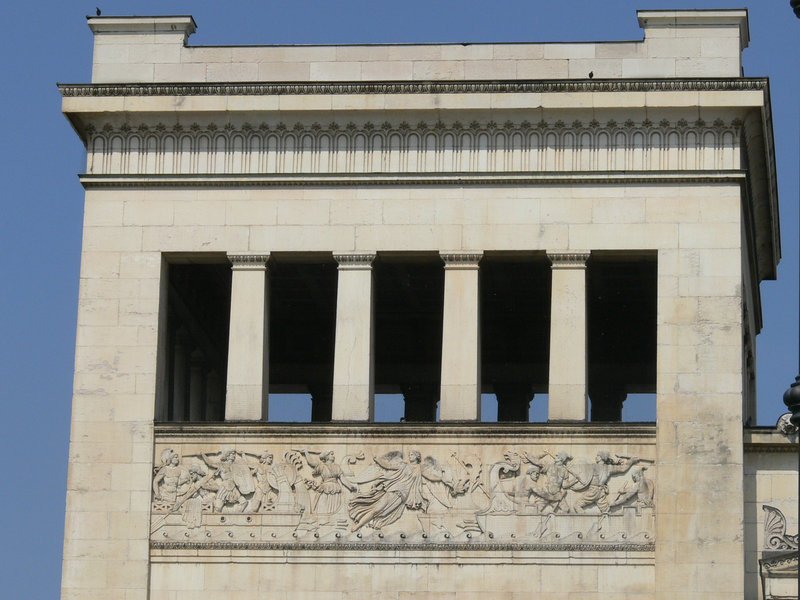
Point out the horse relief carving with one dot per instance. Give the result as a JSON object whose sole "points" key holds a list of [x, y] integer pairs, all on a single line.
{"points": [[401, 496]]}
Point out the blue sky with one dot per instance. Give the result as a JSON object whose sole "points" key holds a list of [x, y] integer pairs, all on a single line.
{"points": [[45, 42]]}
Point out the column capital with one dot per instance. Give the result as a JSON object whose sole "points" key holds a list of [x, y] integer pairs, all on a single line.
{"points": [[354, 261], [461, 260], [569, 260], [248, 262]]}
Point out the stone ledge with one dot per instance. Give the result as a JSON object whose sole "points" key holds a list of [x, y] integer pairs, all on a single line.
{"points": [[412, 87], [343, 429], [762, 439], [390, 547], [90, 181]]}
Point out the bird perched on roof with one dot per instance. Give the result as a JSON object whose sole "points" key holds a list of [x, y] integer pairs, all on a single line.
{"points": [[97, 10], [591, 74]]}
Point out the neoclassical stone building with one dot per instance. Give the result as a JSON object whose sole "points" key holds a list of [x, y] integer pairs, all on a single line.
{"points": [[311, 232]]}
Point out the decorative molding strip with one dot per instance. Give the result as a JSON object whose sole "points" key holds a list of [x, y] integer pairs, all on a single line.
{"points": [[783, 565], [90, 181], [354, 261], [424, 147], [568, 260], [391, 547], [412, 87], [760, 447], [461, 260], [241, 262], [511, 432]]}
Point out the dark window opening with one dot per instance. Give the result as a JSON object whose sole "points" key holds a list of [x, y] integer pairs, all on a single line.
{"points": [[621, 299], [196, 345], [515, 334], [302, 323], [409, 297]]}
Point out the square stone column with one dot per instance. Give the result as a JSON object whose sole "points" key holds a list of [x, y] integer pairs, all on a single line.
{"points": [[248, 352], [354, 359], [567, 396], [461, 351]]}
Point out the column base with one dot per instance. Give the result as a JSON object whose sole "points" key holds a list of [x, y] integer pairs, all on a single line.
{"points": [[245, 403], [351, 403]]}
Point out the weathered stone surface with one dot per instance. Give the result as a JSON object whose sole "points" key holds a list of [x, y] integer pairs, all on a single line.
{"points": [[354, 153]]}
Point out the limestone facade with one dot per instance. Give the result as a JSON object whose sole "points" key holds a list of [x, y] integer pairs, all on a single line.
{"points": [[212, 172]]}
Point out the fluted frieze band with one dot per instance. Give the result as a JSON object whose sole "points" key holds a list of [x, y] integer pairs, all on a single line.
{"points": [[431, 146]]}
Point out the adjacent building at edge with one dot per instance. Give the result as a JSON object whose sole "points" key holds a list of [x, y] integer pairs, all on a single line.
{"points": [[555, 227]]}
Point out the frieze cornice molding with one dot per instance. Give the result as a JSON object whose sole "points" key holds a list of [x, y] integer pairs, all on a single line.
{"points": [[760, 447], [354, 261], [412, 87], [90, 181], [781, 565], [461, 260], [406, 147], [241, 262], [568, 260], [348, 431], [389, 546]]}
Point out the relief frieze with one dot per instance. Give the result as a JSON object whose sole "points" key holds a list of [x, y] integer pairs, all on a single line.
{"points": [[297, 495]]}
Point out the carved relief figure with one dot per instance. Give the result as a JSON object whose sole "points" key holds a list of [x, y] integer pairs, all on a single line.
{"points": [[558, 479], [233, 480], [263, 489], [532, 492], [285, 478], [595, 492], [450, 497], [530, 488], [470, 471], [201, 491], [499, 473], [398, 485], [439, 483], [640, 494], [329, 481], [172, 479]]}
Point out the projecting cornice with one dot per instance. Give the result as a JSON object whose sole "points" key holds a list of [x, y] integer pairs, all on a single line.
{"points": [[123, 122], [412, 87], [90, 181]]}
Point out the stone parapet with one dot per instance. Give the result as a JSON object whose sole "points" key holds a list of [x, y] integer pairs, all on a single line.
{"points": [[676, 43]]}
